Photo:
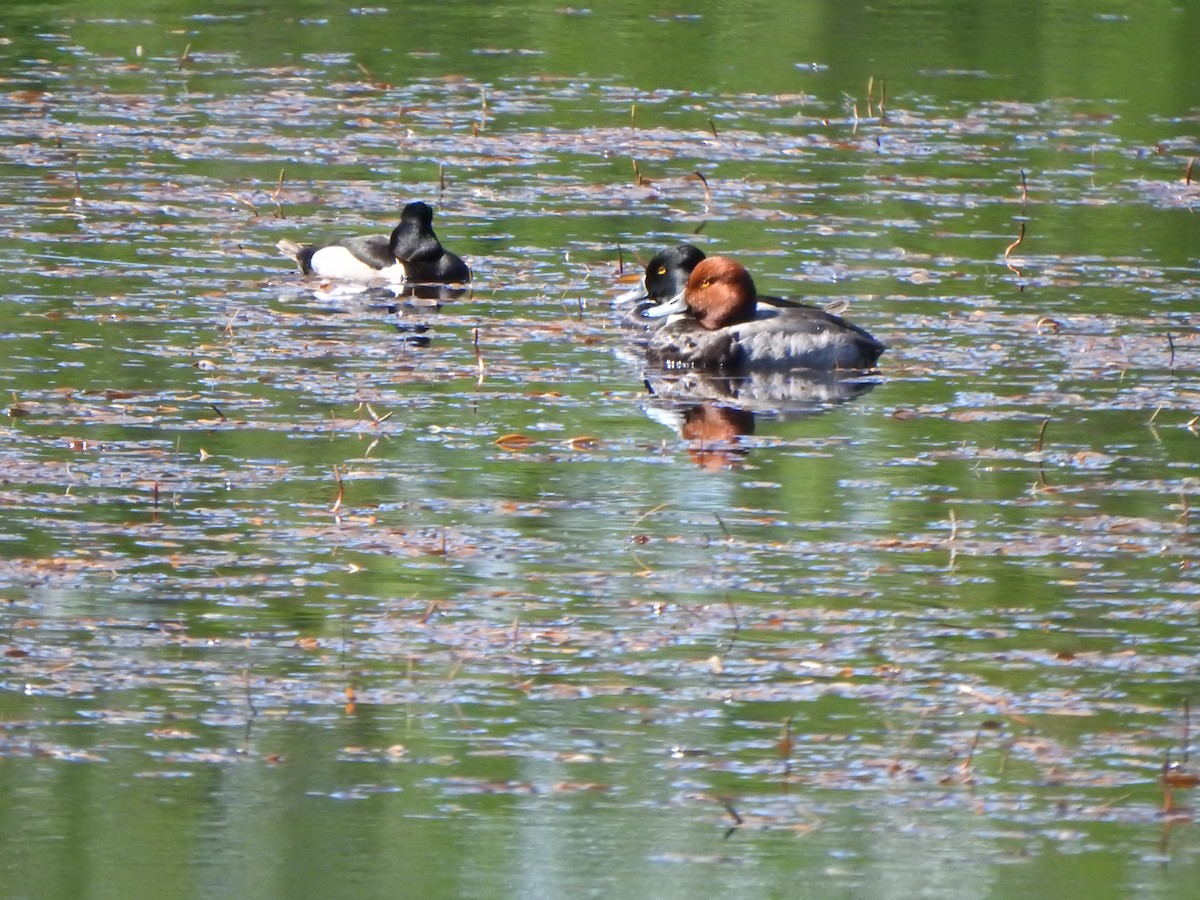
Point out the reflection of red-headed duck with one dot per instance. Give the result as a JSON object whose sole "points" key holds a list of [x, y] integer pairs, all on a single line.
{"points": [[411, 254], [713, 432], [717, 322], [666, 275]]}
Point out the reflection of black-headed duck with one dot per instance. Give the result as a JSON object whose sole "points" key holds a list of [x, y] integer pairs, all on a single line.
{"points": [[716, 322], [411, 254], [666, 275]]}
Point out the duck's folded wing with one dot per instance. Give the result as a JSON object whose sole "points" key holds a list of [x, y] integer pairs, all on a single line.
{"points": [[816, 341], [372, 249]]}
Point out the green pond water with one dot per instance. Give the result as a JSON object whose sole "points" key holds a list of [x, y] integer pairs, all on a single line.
{"points": [[311, 593]]}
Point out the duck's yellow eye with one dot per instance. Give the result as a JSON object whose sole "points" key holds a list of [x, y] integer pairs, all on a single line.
{"points": [[706, 282], [662, 270]]}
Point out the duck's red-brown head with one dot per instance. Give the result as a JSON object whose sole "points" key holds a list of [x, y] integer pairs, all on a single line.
{"points": [[720, 292]]}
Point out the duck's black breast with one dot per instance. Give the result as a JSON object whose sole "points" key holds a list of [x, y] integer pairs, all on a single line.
{"points": [[684, 343], [445, 267]]}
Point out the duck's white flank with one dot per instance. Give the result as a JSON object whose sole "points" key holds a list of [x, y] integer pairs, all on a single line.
{"points": [[339, 262]]}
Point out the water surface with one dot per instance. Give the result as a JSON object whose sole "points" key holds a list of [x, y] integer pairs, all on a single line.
{"points": [[300, 601]]}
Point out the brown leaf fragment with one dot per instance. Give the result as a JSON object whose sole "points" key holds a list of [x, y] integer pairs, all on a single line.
{"points": [[1181, 778], [514, 441], [563, 787], [172, 734], [1046, 324]]}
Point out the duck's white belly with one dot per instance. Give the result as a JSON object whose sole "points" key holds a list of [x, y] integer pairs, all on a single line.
{"points": [[339, 262]]}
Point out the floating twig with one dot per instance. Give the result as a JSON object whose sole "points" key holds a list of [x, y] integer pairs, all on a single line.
{"points": [[441, 178], [185, 58], [967, 763], [733, 813], [786, 744], [275, 196], [647, 514], [637, 176], [341, 490], [244, 202], [478, 356], [707, 192], [376, 418], [1187, 728], [1042, 434], [633, 115], [1021, 232], [1171, 344], [1187, 175], [737, 624], [1041, 459], [724, 530], [249, 696], [1013, 246], [713, 128]]}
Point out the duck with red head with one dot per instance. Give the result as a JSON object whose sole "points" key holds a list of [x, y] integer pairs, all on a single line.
{"points": [[666, 275], [716, 322]]}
